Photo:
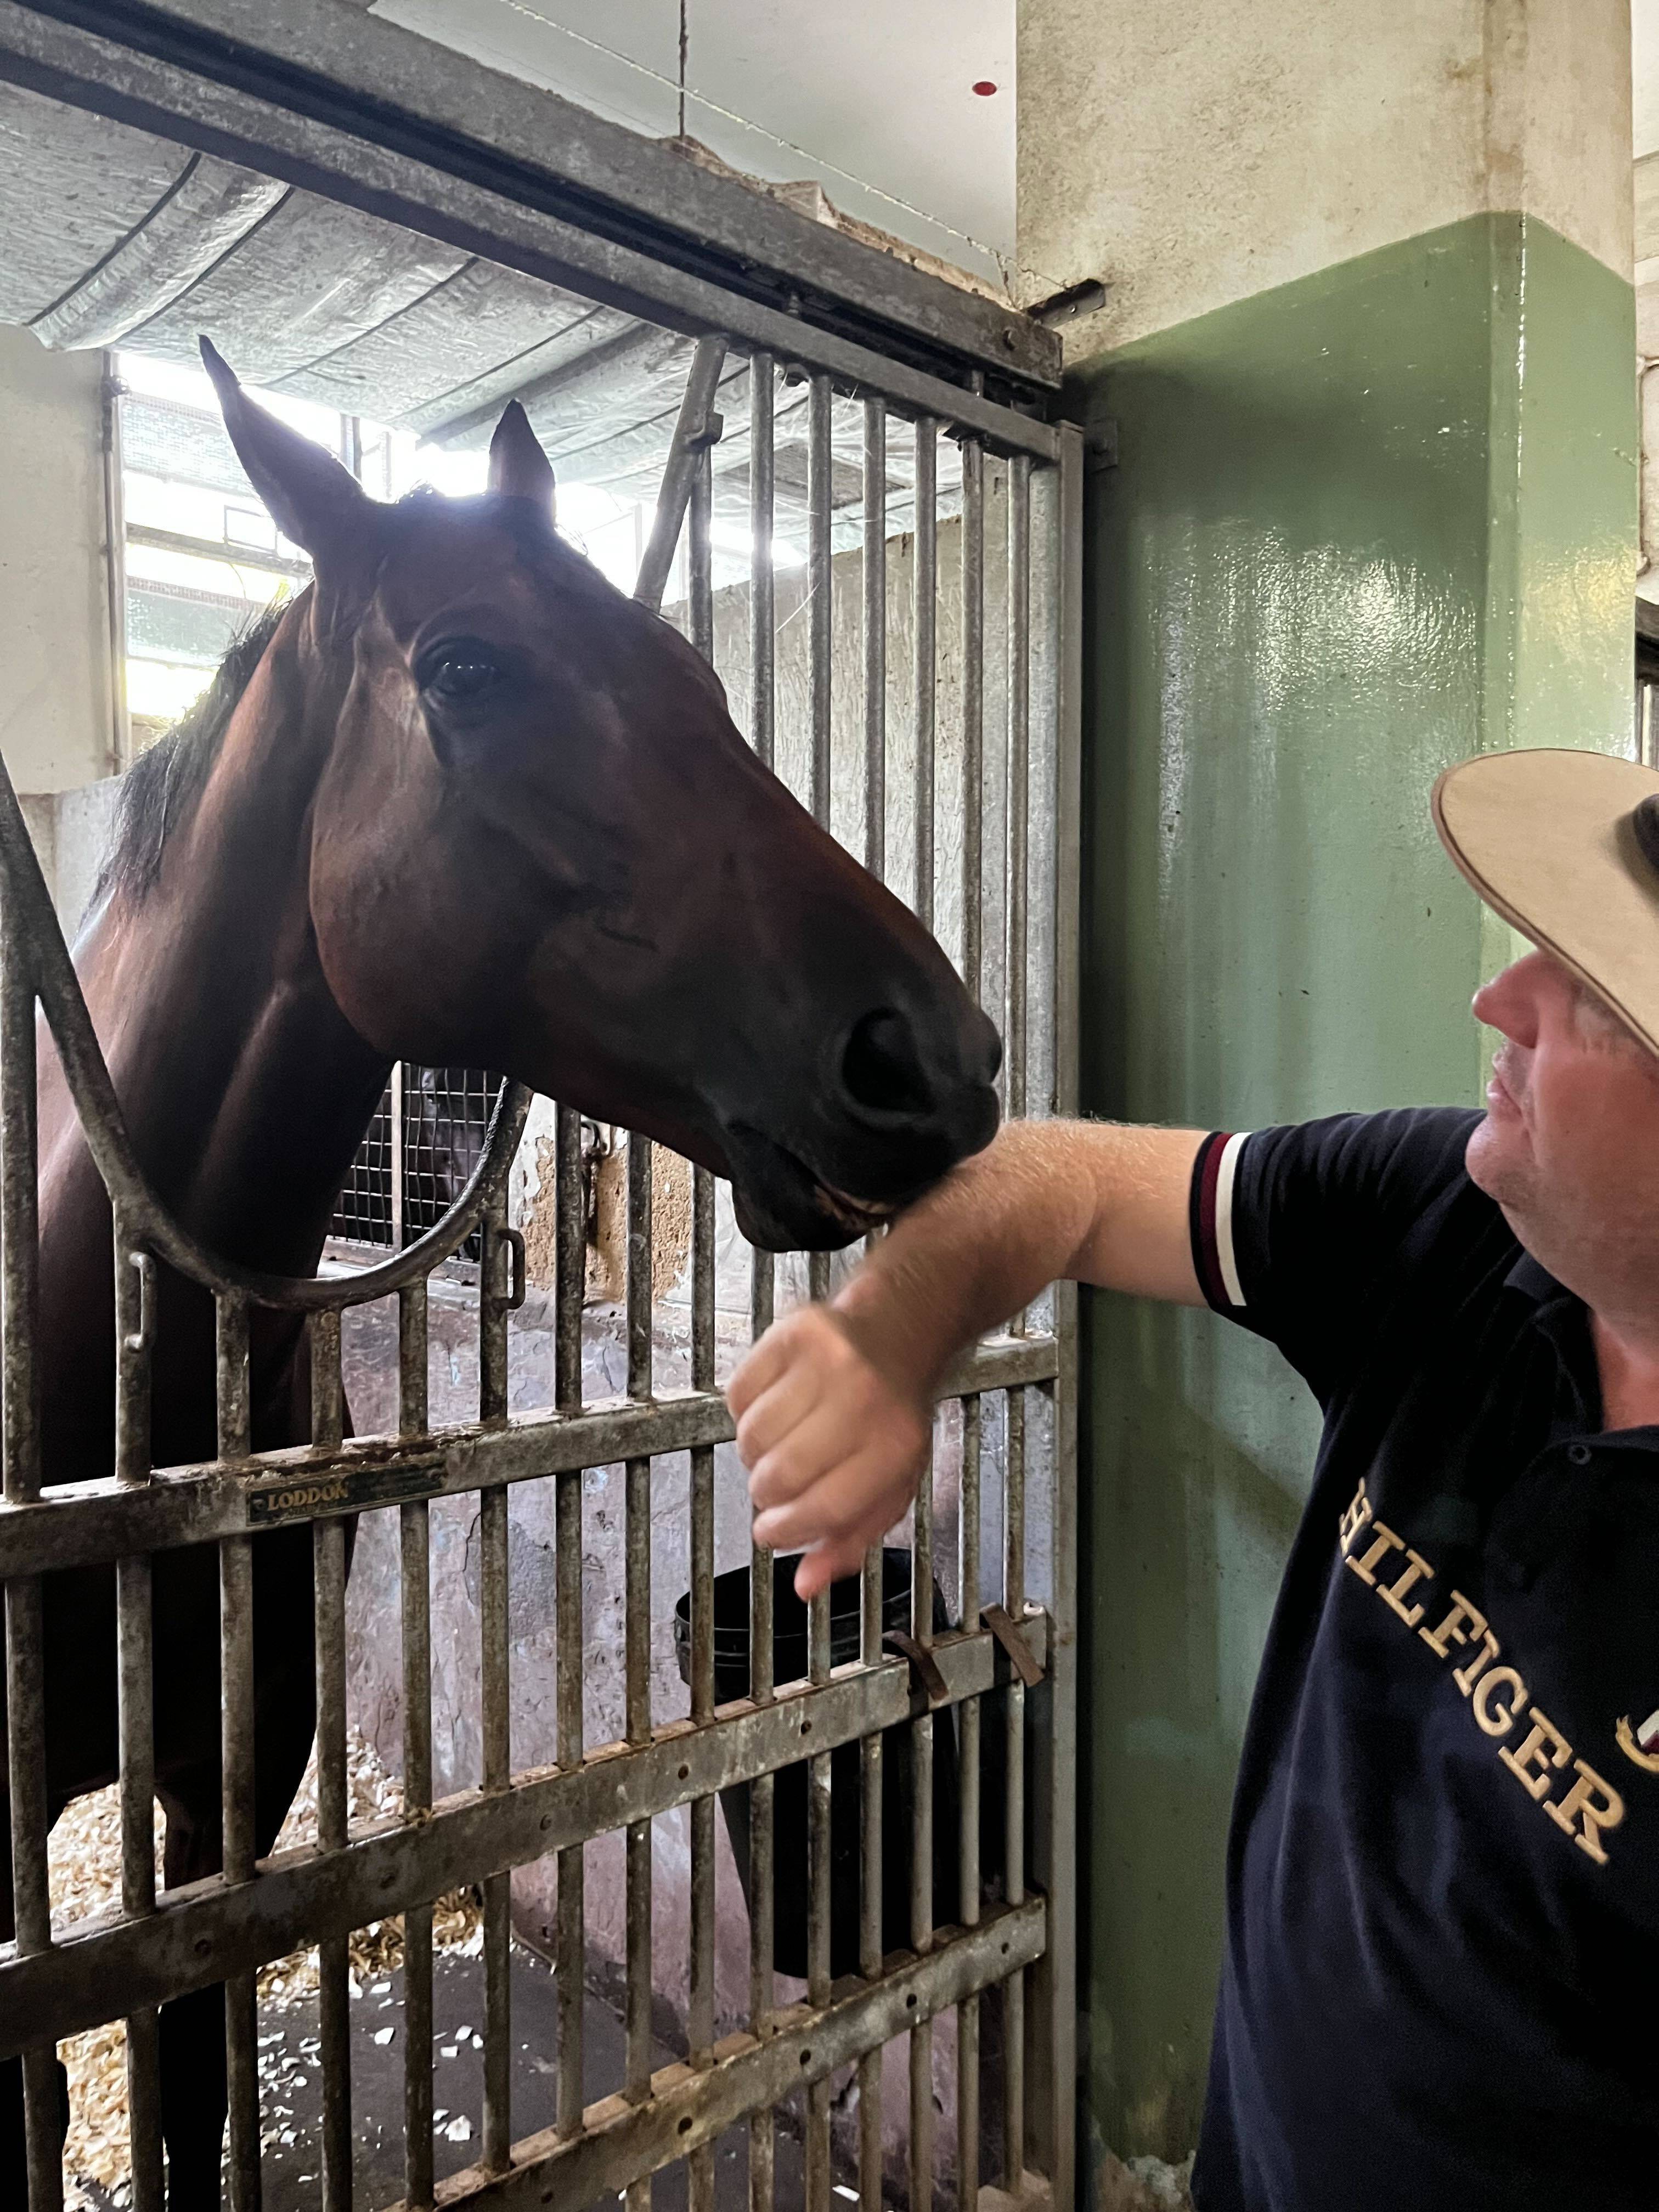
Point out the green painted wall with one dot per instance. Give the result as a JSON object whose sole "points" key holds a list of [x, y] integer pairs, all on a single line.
{"points": [[1361, 527]]}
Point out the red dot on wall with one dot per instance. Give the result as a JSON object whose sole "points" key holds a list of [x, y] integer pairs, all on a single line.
{"points": [[985, 87]]}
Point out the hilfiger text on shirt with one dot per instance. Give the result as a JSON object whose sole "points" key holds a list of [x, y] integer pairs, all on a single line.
{"points": [[1567, 1789]]}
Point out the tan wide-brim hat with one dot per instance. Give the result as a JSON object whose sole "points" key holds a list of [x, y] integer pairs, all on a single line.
{"points": [[1559, 843]]}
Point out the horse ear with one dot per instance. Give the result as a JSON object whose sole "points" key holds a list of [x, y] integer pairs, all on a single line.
{"points": [[311, 498], [517, 466]]}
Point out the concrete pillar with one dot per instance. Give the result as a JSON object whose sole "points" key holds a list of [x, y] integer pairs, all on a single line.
{"points": [[57, 719], [1367, 342]]}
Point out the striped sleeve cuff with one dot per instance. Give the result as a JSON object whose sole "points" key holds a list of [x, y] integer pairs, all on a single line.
{"points": [[1209, 1215]]}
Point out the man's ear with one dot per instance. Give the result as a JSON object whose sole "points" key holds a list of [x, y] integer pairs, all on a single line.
{"points": [[313, 499], [517, 466]]}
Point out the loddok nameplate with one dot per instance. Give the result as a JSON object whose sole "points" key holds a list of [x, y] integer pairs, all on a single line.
{"points": [[302, 1496]]}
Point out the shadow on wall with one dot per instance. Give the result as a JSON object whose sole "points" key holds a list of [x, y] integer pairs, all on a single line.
{"points": [[1185, 1528]]}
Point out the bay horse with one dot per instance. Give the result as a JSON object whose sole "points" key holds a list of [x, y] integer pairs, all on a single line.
{"points": [[461, 803]]}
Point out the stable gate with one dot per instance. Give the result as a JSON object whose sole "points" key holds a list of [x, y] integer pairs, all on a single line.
{"points": [[343, 109]]}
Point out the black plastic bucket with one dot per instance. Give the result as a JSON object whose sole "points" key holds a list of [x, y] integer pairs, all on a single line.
{"points": [[789, 1891]]}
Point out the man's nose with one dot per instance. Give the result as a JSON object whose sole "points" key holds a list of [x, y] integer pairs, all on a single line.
{"points": [[1508, 1001]]}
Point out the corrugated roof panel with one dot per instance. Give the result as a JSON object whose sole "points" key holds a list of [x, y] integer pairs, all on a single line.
{"points": [[459, 330], [311, 280], [72, 185]]}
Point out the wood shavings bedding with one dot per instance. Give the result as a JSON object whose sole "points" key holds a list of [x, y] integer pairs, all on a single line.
{"points": [[84, 1860]]}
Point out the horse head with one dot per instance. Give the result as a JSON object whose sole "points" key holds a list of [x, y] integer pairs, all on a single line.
{"points": [[538, 843]]}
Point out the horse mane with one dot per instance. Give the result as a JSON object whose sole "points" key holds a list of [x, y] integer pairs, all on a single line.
{"points": [[162, 786]]}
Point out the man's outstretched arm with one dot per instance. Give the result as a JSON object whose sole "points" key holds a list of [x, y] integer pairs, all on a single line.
{"points": [[834, 1406]]}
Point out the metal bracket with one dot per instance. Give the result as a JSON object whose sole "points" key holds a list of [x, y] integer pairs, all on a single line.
{"points": [[1018, 1650], [1100, 445], [924, 1667]]}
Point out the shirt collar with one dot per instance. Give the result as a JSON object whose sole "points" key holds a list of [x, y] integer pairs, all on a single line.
{"points": [[1533, 1280]]}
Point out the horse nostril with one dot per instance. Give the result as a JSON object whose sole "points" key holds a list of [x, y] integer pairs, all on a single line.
{"points": [[882, 1068]]}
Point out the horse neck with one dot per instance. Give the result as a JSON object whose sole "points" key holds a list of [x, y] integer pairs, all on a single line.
{"points": [[245, 1090]]}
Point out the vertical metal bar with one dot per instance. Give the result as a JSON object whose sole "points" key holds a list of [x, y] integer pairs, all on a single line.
{"points": [[818, 1872], [20, 1238], [700, 581], [115, 575], [570, 1272], [762, 2140], [19, 1457], [701, 2014], [872, 1938], [1058, 618], [820, 492], [412, 1360], [875, 636], [926, 603], [500, 1257], [496, 1270], [1019, 759], [135, 1700], [921, 1851], [397, 1140], [637, 1641], [570, 1260], [1013, 2000], [414, 1541], [968, 1872], [700, 2020], [236, 1717], [762, 577], [328, 1562], [415, 1564], [973, 709], [497, 1775]]}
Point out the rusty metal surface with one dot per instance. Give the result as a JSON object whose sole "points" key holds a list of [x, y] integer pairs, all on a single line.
{"points": [[206, 1929], [623, 2141], [76, 1524]]}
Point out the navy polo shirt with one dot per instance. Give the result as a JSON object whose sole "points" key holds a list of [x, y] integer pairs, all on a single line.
{"points": [[1441, 1981]]}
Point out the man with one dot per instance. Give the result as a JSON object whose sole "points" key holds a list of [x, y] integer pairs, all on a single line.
{"points": [[1442, 1967]]}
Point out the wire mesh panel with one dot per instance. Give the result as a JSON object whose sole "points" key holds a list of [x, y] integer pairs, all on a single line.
{"points": [[870, 1796], [417, 1156], [363, 1212]]}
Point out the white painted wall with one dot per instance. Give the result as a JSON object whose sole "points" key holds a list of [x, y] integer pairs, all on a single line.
{"points": [[57, 723], [1191, 158]]}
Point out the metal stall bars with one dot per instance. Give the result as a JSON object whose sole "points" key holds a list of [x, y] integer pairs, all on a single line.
{"points": [[126, 1962]]}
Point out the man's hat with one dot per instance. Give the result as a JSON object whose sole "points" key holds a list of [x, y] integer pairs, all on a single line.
{"points": [[1565, 847]]}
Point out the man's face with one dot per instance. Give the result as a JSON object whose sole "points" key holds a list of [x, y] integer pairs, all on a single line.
{"points": [[1570, 1145]]}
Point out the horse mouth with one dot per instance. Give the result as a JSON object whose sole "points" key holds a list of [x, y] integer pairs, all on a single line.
{"points": [[783, 1204]]}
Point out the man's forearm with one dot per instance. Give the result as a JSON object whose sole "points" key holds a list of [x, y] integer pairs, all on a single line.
{"points": [[971, 1253], [1047, 1200]]}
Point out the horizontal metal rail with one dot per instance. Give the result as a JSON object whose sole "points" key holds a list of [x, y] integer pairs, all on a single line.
{"points": [[688, 2106], [208, 1930], [80, 1524], [344, 149]]}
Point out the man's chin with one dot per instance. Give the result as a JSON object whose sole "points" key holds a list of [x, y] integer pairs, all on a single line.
{"points": [[1496, 1161]]}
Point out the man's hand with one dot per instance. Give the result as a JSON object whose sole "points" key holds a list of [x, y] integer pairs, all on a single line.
{"points": [[834, 1405], [834, 1447]]}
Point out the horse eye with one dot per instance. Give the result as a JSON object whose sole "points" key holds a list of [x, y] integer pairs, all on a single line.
{"points": [[459, 672]]}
